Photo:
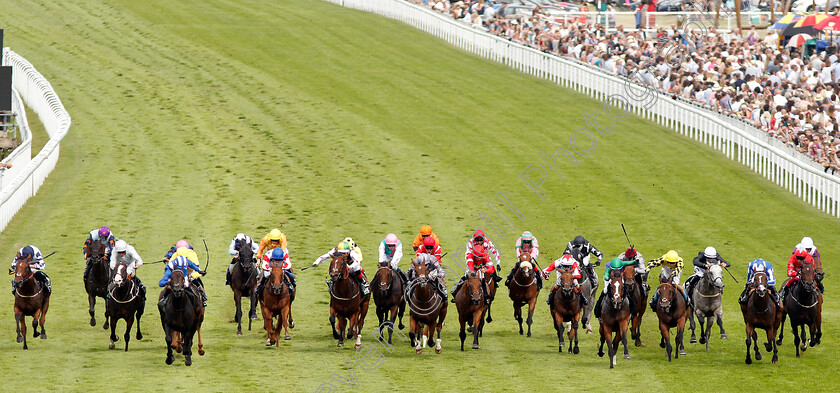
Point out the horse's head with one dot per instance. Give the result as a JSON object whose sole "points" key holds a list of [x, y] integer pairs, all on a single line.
{"points": [[567, 280], [384, 276], [526, 267], [628, 274], [667, 294], [96, 251], [338, 268], [807, 276], [119, 275], [177, 283], [760, 283], [473, 284], [615, 289], [276, 277], [22, 273], [420, 271], [245, 255], [715, 276]]}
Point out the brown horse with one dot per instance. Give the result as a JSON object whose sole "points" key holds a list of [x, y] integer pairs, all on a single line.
{"points": [[276, 302], [803, 303], [96, 283], [470, 305], [181, 316], [387, 291], [30, 301], [523, 290], [426, 308], [244, 278], [634, 293], [671, 311], [615, 316], [124, 302], [760, 313], [347, 303], [566, 308]]}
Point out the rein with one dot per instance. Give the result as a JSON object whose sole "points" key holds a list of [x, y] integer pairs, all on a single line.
{"points": [[17, 292], [390, 276], [132, 290], [793, 296], [423, 312], [358, 291], [533, 279]]}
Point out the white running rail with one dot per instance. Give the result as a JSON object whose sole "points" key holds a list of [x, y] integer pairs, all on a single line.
{"points": [[27, 175], [734, 138]]}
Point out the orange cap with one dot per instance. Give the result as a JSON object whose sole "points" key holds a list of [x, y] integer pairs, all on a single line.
{"points": [[425, 230]]}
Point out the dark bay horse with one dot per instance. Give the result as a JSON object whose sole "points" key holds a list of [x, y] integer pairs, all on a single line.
{"points": [[707, 304], [244, 278], [124, 302], [427, 308], [523, 290], [470, 304], [97, 280], [672, 313], [566, 309], [491, 291], [803, 303], [30, 301], [615, 316], [347, 303], [387, 290], [634, 293], [181, 317], [276, 302], [760, 313]]}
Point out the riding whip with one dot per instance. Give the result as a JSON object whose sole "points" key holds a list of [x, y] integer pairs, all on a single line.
{"points": [[50, 254], [152, 263], [626, 237], [208, 255], [730, 273]]}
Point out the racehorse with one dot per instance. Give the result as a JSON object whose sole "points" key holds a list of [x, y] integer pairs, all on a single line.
{"points": [[706, 304], [276, 301], [566, 308], [587, 290], [634, 293], [803, 303], [124, 302], [388, 297], [96, 283], [523, 290], [346, 303], [181, 316], [426, 307], [30, 301], [671, 310], [615, 316], [760, 313], [244, 278], [470, 304]]}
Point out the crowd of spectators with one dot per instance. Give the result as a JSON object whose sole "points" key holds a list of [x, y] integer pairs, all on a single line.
{"points": [[793, 98]]}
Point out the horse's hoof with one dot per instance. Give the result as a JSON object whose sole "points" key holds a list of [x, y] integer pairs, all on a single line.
{"points": [[723, 336], [418, 351], [106, 325], [779, 342], [811, 343], [35, 334], [43, 336], [111, 345], [576, 350], [349, 335], [757, 356], [693, 340], [768, 347], [521, 332], [355, 346], [469, 329], [238, 332], [188, 362], [291, 324], [702, 340], [169, 359], [92, 322], [562, 344], [287, 338], [627, 357], [19, 339], [588, 331], [475, 346], [600, 354], [775, 359], [139, 336], [529, 334], [661, 344], [748, 361], [489, 319], [201, 352], [438, 350], [254, 317], [336, 336], [803, 347], [638, 343], [683, 353], [401, 326], [179, 349], [340, 344]]}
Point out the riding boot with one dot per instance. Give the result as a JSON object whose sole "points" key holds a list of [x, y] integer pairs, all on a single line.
{"points": [[228, 274], [261, 286], [442, 289], [820, 286], [653, 301], [496, 279], [164, 296], [402, 276], [539, 281], [142, 288], [457, 287], [590, 272], [290, 281], [776, 298], [87, 270], [744, 295], [550, 297], [510, 276], [597, 308], [363, 284], [329, 284], [45, 282], [486, 291]]}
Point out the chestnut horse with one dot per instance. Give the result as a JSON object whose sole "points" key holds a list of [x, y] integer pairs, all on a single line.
{"points": [[760, 313], [470, 304], [566, 308], [96, 284], [181, 317], [634, 293], [615, 316], [803, 303], [387, 291], [276, 301], [671, 310], [347, 303], [124, 302], [523, 290], [244, 278], [426, 308], [30, 301]]}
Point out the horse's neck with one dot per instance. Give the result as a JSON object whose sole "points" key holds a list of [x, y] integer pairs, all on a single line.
{"points": [[800, 291], [706, 283], [423, 295], [30, 286]]}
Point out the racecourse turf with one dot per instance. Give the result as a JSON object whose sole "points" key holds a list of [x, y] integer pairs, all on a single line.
{"points": [[199, 119]]}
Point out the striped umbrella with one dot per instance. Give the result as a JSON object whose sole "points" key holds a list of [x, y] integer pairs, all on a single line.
{"points": [[787, 19], [798, 40], [805, 25], [832, 23]]}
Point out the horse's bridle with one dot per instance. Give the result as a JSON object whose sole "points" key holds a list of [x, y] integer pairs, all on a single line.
{"points": [[390, 277]]}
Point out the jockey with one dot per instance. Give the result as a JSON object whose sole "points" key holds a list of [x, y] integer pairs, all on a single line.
{"points": [[617, 263], [585, 248], [355, 247], [431, 247], [760, 266], [279, 255], [478, 238], [102, 235], [701, 262], [794, 264], [631, 254], [568, 262], [808, 245], [390, 252], [235, 243], [272, 240], [477, 262], [344, 249], [526, 243], [125, 253], [178, 244], [673, 261], [425, 231], [184, 249], [32, 255], [433, 270], [179, 262]]}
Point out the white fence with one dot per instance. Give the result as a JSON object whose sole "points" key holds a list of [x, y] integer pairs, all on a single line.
{"points": [[734, 138], [23, 153], [38, 95]]}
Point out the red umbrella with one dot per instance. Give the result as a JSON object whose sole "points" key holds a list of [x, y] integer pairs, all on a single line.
{"points": [[798, 40], [832, 23]]}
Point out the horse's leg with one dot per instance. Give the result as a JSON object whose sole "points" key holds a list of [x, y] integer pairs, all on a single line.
{"points": [[198, 331], [188, 348], [35, 332], [114, 337], [178, 341], [401, 312], [561, 328], [284, 318], [438, 327], [803, 338], [690, 312], [107, 323], [708, 335], [477, 327], [92, 309], [666, 338], [623, 329], [531, 306], [342, 324], [332, 323], [795, 332], [168, 337], [489, 317], [700, 321], [612, 345], [268, 321], [237, 299], [681, 336], [719, 319], [782, 328], [517, 314], [575, 325], [392, 318], [603, 339], [771, 340], [355, 330], [139, 314], [755, 344], [20, 324], [462, 335], [129, 322], [412, 327], [381, 315], [749, 330], [637, 324], [812, 327]]}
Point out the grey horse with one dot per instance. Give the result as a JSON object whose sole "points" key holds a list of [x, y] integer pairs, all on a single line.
{"points": [[589, 291], [706, 303]]}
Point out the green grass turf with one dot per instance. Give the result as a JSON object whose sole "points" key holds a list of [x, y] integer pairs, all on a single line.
{"points": [[201, 119]]}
